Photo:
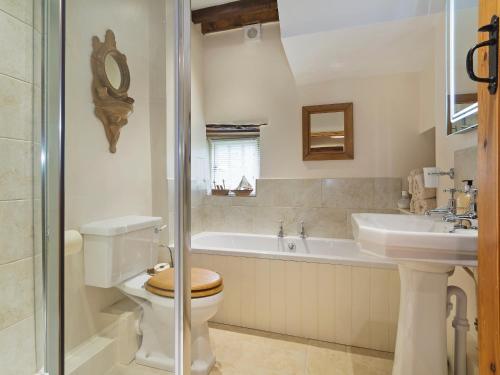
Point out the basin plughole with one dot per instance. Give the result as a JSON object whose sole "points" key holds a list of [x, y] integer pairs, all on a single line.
{"points": [[426, 253]]}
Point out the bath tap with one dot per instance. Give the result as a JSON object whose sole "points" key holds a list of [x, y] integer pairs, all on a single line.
{"points": [[281, 233], [302, 231]]}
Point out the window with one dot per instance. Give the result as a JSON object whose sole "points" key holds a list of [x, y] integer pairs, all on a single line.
{"points": [[233, 158]]}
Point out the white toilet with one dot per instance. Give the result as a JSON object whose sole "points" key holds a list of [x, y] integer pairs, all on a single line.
{"points": [[117, 253]]}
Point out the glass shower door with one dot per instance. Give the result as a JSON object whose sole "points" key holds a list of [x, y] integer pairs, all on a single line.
{"points": [[22, 139], [126, 160]]}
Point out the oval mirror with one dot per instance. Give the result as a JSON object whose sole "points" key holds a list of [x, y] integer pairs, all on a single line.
{"points": [[113, 71]]}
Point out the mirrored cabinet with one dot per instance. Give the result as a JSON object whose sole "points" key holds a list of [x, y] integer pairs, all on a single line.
{"points": [[462, 25]]}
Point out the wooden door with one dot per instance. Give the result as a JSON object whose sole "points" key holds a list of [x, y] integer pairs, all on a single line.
{"points": [[489, 208]]}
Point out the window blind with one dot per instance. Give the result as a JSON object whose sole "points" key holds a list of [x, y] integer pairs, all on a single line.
{"points": [[233, 158]]}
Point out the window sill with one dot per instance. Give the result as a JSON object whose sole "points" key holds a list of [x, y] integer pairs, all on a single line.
{"points": [[232, 195]]}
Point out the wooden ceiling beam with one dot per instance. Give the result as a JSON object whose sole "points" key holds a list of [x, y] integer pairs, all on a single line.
{"points": [[235, 15]]}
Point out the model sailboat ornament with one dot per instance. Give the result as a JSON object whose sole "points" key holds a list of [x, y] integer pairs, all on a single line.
{"points": [[244, 188]]}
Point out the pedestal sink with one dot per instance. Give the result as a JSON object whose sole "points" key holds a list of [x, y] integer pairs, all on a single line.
{"points": [[426, 253]]}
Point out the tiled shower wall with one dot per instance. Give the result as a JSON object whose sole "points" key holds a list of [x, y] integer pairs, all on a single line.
{"points": [[18, 201], [325, 206]]}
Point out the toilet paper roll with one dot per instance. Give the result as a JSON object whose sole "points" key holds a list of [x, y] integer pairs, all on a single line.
{"points": [[73, 242], [431, 181]]}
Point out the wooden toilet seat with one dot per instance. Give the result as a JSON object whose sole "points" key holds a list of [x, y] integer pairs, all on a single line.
{"points": [[204, 283]]}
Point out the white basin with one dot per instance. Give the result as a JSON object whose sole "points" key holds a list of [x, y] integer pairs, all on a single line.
{"points": [[414, 238], [426, 253]]}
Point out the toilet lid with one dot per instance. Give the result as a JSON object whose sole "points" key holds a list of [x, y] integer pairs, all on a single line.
{"points": [[204, 283]]}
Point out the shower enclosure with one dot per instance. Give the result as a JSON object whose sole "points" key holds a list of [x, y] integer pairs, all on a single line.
{"points": [[57, 174]]}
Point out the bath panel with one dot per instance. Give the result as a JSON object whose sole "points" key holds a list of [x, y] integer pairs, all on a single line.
{"points": [[331, 293]]}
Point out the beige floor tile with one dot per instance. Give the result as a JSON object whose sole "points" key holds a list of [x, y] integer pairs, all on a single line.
{"points": [[242, 351], [370, 362], [135, 369], [327, 359]]}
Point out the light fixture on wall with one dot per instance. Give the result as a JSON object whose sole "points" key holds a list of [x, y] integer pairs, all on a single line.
{"points": [[253, 32]]}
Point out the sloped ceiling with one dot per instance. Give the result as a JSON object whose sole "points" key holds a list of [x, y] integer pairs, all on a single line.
{"points": [[330, 39]]}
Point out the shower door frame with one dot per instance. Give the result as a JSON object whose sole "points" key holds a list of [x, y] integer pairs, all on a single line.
{"points": [[52, 159], [52, 180], [182, 230]]}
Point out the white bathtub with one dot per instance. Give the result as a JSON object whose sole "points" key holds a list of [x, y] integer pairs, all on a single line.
{"points": [[311, 249], [323, 289]]}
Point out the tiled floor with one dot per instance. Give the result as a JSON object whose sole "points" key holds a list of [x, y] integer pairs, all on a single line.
{"points": [[242, 351]]}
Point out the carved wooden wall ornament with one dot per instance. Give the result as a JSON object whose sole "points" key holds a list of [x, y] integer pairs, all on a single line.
{"points": [[110, 86]]}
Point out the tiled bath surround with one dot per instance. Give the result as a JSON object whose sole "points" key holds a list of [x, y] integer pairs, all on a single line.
{"points": [[325, 206], [19, 201]]}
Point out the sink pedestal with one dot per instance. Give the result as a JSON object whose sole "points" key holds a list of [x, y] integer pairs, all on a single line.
{"points": [[425, 252], [421, 338]]}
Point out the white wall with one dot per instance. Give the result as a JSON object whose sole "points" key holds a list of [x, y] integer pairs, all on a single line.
{"points": [[99, 184], [253, 81]]}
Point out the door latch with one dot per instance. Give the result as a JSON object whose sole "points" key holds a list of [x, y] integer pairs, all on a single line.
{"points": [[492, 43]]}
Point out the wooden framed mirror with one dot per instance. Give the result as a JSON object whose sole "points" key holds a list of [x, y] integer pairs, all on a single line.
{"points": [[110, 84], [327, 132]]}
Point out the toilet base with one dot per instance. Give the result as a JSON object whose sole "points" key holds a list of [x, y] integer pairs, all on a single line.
{"points": [[202, 355], [163, 363], [157, 328]]}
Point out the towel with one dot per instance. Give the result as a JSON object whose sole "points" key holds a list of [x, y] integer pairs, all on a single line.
{"points": [[422, 205], [411, 181], [420, 190], [412, 206], [422, 198]]}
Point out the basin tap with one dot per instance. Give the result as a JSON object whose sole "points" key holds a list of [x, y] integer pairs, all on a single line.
{"points": [[459, 223], [472, 212], [467, 217]]}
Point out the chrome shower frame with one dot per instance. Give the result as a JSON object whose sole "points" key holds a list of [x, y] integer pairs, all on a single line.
{"points": [[52, 180], [52, 159], [182, 231]]}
